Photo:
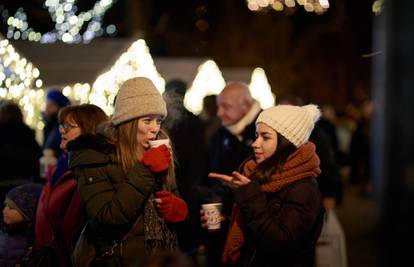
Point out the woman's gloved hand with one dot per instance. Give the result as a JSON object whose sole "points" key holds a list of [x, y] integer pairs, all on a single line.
{"points": [[157, 158], [171, 207]]}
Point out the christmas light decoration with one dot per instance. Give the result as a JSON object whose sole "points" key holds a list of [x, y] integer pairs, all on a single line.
{"points": [[20, 82], [317, 6], [68, 25], [260, 89], [136, 61], [208, 81]]}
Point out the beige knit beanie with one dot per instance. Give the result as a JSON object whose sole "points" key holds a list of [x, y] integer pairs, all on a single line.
{"points": [[137, 97], [295, 123]]}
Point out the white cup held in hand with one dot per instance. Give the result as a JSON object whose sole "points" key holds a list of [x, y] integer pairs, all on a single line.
{"points": [[158, 142], [212, 212]]}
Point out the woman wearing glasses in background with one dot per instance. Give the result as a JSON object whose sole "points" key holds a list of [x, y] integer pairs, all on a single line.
{"points": [[60, 214]]}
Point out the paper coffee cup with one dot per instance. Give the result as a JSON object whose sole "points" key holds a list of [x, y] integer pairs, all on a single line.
{"points": [[212, 212], [156, 143]]}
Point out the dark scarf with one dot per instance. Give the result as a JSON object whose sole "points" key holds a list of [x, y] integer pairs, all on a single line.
{"points": [[158, 235], [303, 163]]}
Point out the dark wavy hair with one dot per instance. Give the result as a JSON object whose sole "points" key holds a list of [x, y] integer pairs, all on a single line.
{"points": [[275, 162]]}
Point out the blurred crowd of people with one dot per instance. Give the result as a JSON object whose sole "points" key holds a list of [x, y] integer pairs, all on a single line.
{"points": [[98, 193]]}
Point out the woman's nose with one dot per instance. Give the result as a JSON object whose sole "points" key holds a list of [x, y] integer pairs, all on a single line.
{"points": [[255, 144], [155, 126]]}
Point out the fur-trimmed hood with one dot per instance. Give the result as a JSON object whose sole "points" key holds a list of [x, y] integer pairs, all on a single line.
{"points": [[90, 150]]}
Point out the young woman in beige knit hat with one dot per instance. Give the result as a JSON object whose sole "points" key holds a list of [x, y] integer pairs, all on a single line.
{"points": [[128, 187], [278, 213]]}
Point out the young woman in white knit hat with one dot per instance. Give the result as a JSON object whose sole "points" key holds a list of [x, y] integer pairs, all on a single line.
{"points": [[278, 214], [127, 186]]}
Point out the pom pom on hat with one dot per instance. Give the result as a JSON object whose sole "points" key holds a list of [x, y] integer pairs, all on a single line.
{"points": [[137, 97], [57, 97], [295, 123], [24, 199]]}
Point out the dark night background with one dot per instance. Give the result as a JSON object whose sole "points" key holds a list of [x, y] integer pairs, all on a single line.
{"points": [[320, 58], [343, 56]]}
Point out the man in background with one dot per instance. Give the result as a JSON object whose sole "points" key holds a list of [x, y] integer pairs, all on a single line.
{"points": [[229, 146]]}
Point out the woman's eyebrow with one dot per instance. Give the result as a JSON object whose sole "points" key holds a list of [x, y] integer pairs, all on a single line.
{"points": [[264, 133]]}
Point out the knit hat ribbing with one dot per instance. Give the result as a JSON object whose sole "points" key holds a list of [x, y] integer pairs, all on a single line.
{"points": [[57, 97], [138, 97], [295, 123], [24, 199]]}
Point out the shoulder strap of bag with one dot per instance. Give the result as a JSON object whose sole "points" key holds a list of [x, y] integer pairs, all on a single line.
{"points": [[118, 243]]}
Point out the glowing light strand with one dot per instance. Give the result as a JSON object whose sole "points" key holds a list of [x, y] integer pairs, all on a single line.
{"points": [[20, 82], [317, 6], [68, 25]]}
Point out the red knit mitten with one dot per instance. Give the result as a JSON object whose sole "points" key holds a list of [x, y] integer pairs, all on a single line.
{"points": [[171, 207], [157, 158]]}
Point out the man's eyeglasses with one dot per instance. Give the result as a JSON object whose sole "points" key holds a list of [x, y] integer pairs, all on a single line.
{"points": [[67, 127]]}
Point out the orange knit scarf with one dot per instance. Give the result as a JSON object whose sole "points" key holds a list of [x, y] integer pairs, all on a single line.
{"points": [[303, 163]]}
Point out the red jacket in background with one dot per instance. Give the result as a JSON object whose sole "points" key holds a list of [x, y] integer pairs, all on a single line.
{"points": [[60, 210]]}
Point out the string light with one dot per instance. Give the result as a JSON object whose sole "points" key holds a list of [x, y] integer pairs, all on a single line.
{"points": [[68, 25], [317, 6], [20, 82]]}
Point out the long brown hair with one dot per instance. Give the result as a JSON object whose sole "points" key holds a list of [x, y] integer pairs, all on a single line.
{"points": [[275, 162], [130, 152]]}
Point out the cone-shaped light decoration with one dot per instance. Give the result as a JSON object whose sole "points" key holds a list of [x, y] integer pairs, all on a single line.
{"points": [[20, 82], [260, 89], [136, 61], [208, 81]]}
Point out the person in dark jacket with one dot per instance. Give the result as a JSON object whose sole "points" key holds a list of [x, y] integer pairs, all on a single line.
{"points": [[187, 133], [127, 186], [19, 150], [60, 213], [17, 229], [229, 146], [278, 214], [55, 100]]}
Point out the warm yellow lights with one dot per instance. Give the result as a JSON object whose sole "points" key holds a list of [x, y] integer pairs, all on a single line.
{"points": [[260, 89], [136, 61], [208, 81], [377, 6], [317, 6], [19, 82]]}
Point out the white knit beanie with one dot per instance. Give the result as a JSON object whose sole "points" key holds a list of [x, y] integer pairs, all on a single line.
{"points": [[295, 123], [137, 97]]}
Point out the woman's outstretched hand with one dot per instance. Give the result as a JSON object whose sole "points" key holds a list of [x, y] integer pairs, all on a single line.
{"points": [[235, 180]]}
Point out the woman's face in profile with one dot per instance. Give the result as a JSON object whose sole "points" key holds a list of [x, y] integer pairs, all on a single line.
{"points": [[266, 142], [148, 128], [69, 131]]}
